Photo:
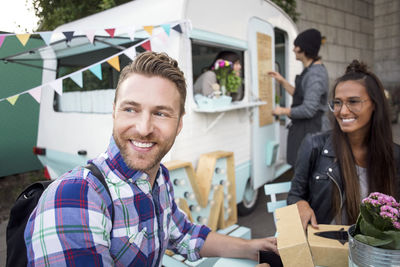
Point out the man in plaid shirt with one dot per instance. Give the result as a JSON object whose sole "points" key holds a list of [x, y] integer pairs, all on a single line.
{"points": [[72, 225]]}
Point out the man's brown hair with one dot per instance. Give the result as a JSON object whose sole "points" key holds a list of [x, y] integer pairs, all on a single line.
{"points": [[156, 64]]}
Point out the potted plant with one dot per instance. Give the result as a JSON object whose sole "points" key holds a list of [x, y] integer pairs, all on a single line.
{"points": [[227, 78], [375, 239]]}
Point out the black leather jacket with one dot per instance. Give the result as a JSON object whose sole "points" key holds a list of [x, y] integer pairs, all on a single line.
{"points": [[315, 174]]}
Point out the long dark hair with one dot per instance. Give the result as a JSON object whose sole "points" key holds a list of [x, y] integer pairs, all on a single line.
{"points": [[381, 169]]}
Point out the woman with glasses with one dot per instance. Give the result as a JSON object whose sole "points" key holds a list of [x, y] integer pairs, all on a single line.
{"points": [[337, 169]]}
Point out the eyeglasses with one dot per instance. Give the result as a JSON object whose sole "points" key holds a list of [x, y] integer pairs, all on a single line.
{"points": [[354, 105]]}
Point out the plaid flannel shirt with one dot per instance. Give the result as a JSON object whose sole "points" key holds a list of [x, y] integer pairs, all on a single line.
{"points": [[71, 225]]}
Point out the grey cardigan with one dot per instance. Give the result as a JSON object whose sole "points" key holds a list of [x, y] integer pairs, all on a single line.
{"points": [[315, 85]]}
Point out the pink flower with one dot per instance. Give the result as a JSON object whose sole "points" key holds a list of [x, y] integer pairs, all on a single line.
{"points": [[390, 209], [388, 215], [396, 225]]}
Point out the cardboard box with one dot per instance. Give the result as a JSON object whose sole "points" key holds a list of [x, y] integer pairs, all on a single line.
{"points": [[327, 251], [292, 242]]}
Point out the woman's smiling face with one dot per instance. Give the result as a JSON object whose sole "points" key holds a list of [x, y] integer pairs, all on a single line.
{"points": [[354, 121]]}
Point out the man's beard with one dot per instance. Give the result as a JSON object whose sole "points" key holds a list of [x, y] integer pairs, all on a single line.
{"points": [[130, 162]]}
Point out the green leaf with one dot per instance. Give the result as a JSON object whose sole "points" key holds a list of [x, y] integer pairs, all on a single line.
{"points": [[370, 230], [372, 241], [367, 213], [395, 236]]}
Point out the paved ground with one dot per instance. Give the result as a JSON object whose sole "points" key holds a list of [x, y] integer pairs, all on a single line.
{"points": [[260, 222]]}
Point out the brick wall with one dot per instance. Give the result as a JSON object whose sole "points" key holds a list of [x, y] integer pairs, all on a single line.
{"points": [[348, 26], [387, 43]]}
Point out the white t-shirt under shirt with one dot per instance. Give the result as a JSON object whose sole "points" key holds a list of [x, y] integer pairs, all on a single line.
{"points": [[363, 181]]}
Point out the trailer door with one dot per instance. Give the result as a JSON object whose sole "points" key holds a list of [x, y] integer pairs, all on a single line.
{"points": [[265, 129]]}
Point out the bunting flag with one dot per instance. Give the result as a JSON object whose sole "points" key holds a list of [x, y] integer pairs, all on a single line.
{"points": [[131, 33], [166, 27], [12, 99], [69, 35], [110, 32], [130, 52], [57, 86], [36, 93], [23, 38], [114, 62], [177, 28], [146, 45], [160, 34], [77, 78], [46, 37], [90, 35], [149, 29], [2, 37], [96, 70]]}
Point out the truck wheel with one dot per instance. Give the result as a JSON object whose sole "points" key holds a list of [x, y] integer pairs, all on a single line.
{"points": [[249, 201]]}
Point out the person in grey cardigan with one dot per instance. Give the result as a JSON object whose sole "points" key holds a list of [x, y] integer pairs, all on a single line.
{"points": [[310, 93]]}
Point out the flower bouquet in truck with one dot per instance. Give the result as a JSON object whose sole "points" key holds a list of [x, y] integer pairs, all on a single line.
{"points": [[378, 224], [228, 80]]}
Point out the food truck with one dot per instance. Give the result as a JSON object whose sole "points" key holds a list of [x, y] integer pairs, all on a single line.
{"points": [[227, 150], [229, 147], [75, 120]]}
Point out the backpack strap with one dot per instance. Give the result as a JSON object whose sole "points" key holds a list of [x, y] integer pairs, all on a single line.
{"points": [[99, 175]]}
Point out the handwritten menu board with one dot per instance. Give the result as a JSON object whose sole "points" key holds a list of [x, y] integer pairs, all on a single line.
{"points": [[264, 61]]}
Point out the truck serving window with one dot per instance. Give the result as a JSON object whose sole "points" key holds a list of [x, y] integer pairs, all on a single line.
{"points": [[203, 55], [96, 95]]}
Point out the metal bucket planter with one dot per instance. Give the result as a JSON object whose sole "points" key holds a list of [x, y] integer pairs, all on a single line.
{"points": [[363, 255]]}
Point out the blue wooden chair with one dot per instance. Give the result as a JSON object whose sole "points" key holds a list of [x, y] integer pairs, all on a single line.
{"points": [[273, 190]]}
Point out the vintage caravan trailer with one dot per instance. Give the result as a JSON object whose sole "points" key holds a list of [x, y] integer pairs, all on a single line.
{"points": [[76, 125]]}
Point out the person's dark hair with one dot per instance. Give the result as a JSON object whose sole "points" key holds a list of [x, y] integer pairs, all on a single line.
{"points": [[309, 42], [381, 169], [156, 64], [226, 55]]}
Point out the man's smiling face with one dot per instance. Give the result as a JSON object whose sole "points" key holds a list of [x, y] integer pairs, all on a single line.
{"points": [[147, 120]]}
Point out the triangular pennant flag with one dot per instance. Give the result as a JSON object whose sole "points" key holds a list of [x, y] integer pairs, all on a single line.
{"points": [[96, 70], [114, 62], [131, 33], [57, 86], [177, 28], [130, 52], [162, 36], [2, 37], [149, 29], [77, 78], [110, 32], [90, 35], [12, 99], [146, 45], [23, 38], [36, 93], [166, 27], [46, 36], [68, 35]]}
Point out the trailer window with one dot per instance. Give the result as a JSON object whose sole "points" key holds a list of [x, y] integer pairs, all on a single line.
{"points": [[96, 95], [203, 55]]}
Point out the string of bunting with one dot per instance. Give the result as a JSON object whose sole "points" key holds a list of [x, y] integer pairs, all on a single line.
{"points": [[95, 68]]}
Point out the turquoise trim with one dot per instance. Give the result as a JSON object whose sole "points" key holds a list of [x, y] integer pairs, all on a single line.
{"points": [[242, 173], [218, 38], [61, 162]]}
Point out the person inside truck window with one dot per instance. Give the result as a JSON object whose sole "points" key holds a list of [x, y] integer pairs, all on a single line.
{"points": [[310, 92], [335, 170], [209, 84], [72, 223]]}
